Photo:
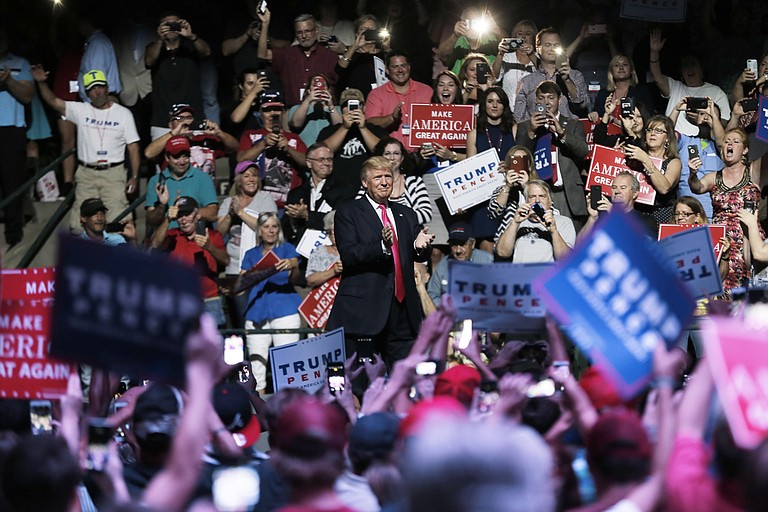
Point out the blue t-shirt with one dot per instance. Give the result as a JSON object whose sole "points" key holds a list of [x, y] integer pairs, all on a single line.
{"points": [[195, 183], [11, 110], [274, 297], [111, 239], [710, 163]]}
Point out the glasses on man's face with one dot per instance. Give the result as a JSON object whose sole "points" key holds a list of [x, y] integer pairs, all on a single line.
{"points": [[658, 131], [300, 33], [684, 215], [321, 159]]}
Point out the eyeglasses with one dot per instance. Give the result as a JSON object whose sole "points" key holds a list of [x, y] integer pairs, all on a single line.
{"points": [[658, 131], [305, 32], [684, 215], [322, 159]]}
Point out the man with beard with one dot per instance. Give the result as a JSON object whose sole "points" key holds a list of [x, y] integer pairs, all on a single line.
{"points": [[297, 64], [93, 216], [104, 131], [389, 106]]}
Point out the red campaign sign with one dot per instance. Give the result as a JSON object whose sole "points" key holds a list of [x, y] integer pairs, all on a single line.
{"points": [[268, 261], [716, 231], [738, 358], [28, 283], [589, 131], [447, 125], [607, 163], [316, 306], [26, 371]]}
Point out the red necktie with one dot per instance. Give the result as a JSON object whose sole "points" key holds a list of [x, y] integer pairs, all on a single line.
{"points": [[399, 286]]}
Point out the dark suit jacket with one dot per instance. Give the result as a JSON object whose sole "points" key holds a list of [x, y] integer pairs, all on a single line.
{"points": [[368, 282], [572, 151], [333, 193]]}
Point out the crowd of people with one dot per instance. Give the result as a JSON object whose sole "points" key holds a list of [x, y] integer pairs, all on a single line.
{"points": [[314, 144]]}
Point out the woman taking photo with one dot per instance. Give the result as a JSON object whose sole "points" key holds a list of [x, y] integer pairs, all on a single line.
{"points": [[244, 194], [632, 127], [512, 64], [660, 143], [731, 190], [517, 170], [471, 83], [272, 302]]}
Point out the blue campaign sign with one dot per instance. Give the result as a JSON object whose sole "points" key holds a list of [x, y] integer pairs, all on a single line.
{"points": [[762, 119], [303, 364], [497, 297], [691, 253], [123, 310], [617, 296], [542, 157]]}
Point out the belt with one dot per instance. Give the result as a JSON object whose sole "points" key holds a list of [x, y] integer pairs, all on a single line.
{"points": [[101, 167]]}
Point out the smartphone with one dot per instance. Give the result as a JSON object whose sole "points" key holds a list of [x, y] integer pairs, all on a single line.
{"points": [[512, 43], [518, 163], [487, 396], [263, 7], [627, 107], [749, 104], [538, 210], [40, 417], [428, 146], [235, 488], [692, 104], [372, 35], [114, 227], [595, 196], [161, 180], [466, 334], [200, 227], [335, 377], [429, 367], [541, 109], [752, 65], [319, 84], [353, 105], [244, 373], [199, 127], [333, 39], [174, 26], [598, 28], [482, 73], [544, 387], [99, 435], [233, 350], [561, 58], [693, 152], [749, 205]]}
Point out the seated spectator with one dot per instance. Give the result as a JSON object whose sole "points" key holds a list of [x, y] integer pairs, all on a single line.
{"points": [[568, 140], [180, 178], [536, 235], [462, 245], [324, 262], [93, 217], [297, 64], [278, 152], [475, 32], [511, 65], [315, 112], [569, 81], [272, 302], [196, 245], [692, 85], [470, 82], [358, 67], [207, 142], [352, 141], [389, 106]]}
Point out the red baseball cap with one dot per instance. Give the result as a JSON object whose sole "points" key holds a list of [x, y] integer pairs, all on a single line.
{"points": [[176, 145]]}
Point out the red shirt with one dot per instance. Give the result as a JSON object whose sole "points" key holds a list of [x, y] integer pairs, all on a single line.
{"points": [[295, 68], [276, 169], [187, 251], [383, 100]]}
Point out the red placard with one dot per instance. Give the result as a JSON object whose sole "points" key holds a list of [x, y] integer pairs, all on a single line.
{"points": [[737, 355], [607, 163], [716, 231], [316, 306], [589, 132], [447, 125], [26, 371], [268, 261]]}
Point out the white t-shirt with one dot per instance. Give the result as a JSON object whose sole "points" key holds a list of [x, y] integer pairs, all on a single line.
{"points": [[102, 134], [533, 243], [678, 90]]}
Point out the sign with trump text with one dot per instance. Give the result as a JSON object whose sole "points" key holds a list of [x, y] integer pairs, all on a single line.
{"points": [[607, 162], [303, 364], [617, 296], [447, 125], [471, 181]]}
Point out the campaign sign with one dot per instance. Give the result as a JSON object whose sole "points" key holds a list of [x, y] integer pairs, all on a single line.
{"points": [[247, 235], [544, 159], [691, 253], [607, 162], [311, 240], [617, 297], [28, 284], [737, 353], [497, 296], [669, 11], [762, 119], [469, 182], [302, 364], [123, 310], [716, 232], [589, 132], [316, 306], [448, 125]]}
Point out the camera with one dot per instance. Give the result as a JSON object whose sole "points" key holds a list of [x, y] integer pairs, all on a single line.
{"points": [[174, 26], [692, 104], [512, 43]]}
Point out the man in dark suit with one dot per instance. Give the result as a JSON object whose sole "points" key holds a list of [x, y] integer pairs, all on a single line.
{"points": [[308, 203], [570, 142], [377, 298]]}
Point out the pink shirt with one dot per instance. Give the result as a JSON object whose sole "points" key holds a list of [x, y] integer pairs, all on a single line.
{"points": [[383, 100]]}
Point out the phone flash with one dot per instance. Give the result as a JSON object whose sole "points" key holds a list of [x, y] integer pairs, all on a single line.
{"points": [[559, 50], [466, 334], [383, 33]]}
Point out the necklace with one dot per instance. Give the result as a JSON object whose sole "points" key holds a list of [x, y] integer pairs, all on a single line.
{"points": [[488, 136]]}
